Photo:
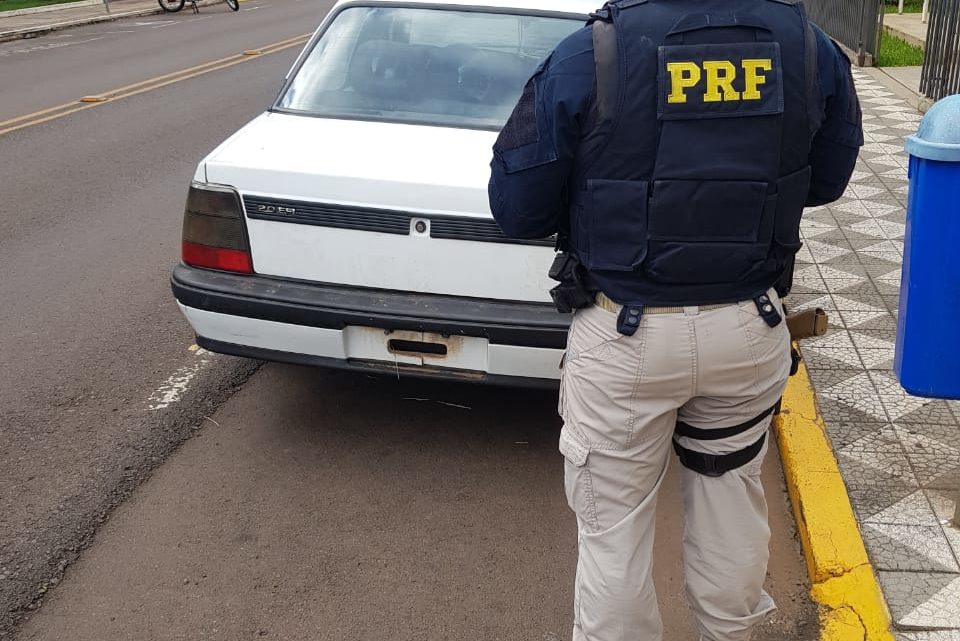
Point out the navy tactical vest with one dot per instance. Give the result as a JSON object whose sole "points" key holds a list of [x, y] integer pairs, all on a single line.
{"points": [[692, 176]]}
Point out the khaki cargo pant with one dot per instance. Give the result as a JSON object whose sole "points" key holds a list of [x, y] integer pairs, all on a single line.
{"points": [[620, 399]]}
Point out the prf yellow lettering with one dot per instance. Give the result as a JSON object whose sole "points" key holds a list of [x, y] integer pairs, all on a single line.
{"points": [[720, 75], [752, 76], [683, 76]]}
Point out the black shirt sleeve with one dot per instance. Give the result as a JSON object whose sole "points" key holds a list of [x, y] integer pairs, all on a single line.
{"points": [[533, 156], [837, 143]]}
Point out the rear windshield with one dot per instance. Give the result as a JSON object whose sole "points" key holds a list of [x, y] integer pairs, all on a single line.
{"points": [[423, 66]]}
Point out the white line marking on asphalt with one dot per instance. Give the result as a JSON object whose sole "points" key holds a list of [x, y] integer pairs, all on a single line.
{"points": [[200, 18], [173, 388], [45, 47]]}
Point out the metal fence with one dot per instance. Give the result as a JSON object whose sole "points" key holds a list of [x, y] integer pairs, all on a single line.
{"points": [[941, 61], [854, 23]]}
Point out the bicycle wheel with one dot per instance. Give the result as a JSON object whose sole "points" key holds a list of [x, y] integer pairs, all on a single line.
{"points": [[171, 5], [234, 4]]}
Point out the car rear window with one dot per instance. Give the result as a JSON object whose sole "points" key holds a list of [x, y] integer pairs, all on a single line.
{"points": [[423, 66]]}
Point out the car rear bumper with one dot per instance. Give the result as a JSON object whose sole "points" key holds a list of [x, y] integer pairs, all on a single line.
{"points": [[317, 324]]}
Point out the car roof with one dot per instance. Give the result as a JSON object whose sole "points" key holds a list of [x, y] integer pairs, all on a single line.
{"points": [[582, 7]]}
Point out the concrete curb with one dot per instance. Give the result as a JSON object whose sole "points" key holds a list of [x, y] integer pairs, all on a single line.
{"points": [[842, 579], [906, 37], [49, 8], [30, 32]]}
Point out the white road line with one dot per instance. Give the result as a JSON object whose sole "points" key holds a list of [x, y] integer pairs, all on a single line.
{"points": [[45, 47], [174, 387], [200, 18]]}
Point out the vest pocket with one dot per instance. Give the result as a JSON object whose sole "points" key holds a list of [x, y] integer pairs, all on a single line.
{"points": [[616, 224], [707, 211], [708, 232], [792, 192]]}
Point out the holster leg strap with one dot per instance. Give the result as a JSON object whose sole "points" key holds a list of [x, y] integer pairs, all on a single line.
{"points": [[701, 434], [718, 464]]}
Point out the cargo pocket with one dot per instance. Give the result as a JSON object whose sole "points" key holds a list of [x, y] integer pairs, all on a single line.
{"points": [[792, 192], [616, 224], [707, 232], [578, 482], [573, 447]]}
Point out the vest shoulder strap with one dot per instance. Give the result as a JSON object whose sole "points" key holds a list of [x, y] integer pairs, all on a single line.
{"points": [[607, 64]]}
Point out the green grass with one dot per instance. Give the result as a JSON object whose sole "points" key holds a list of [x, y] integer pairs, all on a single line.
{"points": [[909, 6], [11, 5], [894, 52]]}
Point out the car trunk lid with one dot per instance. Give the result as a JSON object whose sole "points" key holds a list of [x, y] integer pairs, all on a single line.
{"points": [[376, 205]]}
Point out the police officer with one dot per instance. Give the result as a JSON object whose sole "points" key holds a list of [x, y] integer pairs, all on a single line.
{"points": [[672, 145]]}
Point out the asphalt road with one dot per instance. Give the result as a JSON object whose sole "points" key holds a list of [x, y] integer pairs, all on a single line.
{"points": [[308, 505], [90, 211], [64, 66], [327, 506]]}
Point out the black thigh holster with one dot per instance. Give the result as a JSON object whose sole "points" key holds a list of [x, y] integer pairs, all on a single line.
{"points": [[718, 464]]}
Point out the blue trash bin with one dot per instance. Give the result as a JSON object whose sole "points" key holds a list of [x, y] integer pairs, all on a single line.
{"points": [[927, 360]]}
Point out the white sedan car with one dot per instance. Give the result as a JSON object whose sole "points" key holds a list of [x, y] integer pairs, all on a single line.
{"points": [[348, 226]]}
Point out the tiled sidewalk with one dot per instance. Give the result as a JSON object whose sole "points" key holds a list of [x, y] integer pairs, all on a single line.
{"points": [[899, 454]]}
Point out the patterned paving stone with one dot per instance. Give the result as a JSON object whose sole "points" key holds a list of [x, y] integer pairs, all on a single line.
{"points": [[860, 393], [909, 547], [875, 266], [857, 291], [835, 345], [943, 503], [865, 209], [823, 252], [933, 418], [891, 301], [859, 318], [896, 402], [868, 501], [835, 411], [813, 226], [845, 433], [870, 336], [811, 301], [932, 472], [929, 635], [810, 278], [899, 454], [914, 510], [884, 322], [922, 599], [880, 229]]}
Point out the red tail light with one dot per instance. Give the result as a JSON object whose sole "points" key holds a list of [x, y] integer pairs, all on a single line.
{"points": [[228, 260], [214, 231]]}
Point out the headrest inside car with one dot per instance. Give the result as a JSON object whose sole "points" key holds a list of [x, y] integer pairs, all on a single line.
{"points": [[389, 69]]}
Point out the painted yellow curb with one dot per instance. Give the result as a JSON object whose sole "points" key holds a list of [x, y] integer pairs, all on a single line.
{"points": [[843, 582]]}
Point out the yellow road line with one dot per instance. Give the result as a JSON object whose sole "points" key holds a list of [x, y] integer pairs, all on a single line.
{"points": [[59, 111], [843, 581]]}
